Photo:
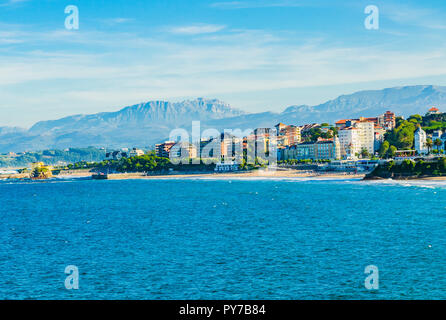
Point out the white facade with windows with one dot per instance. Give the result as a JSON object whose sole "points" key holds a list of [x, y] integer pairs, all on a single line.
{"points": [[355, 138], [420, 141], [366, 136], [350, 142]]}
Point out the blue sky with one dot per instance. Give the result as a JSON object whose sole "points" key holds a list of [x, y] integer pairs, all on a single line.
{"points": [[255, 55]]}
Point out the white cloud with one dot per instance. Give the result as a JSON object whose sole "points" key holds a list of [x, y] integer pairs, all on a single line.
{"points": [[12, 2], [116, 21], [196, 29]]}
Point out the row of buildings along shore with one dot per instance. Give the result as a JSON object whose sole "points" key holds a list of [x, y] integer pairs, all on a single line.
{"points": [[350, 139], [347, 139]]}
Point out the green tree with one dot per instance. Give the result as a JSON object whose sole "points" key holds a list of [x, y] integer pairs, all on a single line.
{"points": [[365, 153], [384, 149], [429, 145], [392, 151], [408, 166], [403, 135], [416, 118]]}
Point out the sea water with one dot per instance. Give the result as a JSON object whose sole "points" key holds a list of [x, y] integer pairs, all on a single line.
{"points": [[222, 239]]}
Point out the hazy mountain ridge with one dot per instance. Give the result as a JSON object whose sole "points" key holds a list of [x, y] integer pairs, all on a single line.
{"points": [[148, 123], [161, 112]]}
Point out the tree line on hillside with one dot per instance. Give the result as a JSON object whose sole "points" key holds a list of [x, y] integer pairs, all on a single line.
{"points": [[53, 157], [314, 134]]}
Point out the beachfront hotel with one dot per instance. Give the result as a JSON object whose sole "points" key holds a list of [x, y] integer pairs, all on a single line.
{"points": [[355, 136], [323, 149]]}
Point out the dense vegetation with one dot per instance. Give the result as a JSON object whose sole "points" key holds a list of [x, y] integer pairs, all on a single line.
{"points": [[434, 122], [409, 168], [402, 137], [147, 163], [315, 133], [53, 157]]}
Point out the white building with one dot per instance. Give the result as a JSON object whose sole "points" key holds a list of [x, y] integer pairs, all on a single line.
{"points": [[366, 136], [355, 137], [227, 166], [349, 141], [136, 152], [183, 150], [420, 141], [337, 148]]}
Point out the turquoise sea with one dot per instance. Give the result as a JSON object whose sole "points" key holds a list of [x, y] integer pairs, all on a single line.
{"points": [[222, 239]]}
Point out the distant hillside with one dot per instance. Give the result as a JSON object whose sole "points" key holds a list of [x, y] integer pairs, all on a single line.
{"points": [[139, 125], [52, 157], [148, 123], [403, 101]]}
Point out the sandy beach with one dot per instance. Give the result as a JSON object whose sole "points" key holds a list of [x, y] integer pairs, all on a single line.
{"points": [[256, 174]]}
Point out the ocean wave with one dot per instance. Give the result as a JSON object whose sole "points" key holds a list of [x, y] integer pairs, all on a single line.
{"points": [[427, 184]]}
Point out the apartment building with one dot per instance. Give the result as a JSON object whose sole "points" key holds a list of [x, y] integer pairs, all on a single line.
{"points": [[288, 134], [366, 136], [350, 142], [386, 121], [163, 149], [357, 135], [181, 150], [320, 150]]}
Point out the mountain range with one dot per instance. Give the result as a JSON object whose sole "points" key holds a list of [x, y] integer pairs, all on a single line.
{"points": [[145, 124]]}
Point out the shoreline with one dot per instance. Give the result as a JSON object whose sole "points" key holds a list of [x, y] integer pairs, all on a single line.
{"points": [[256, 174], [245, 175]]}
